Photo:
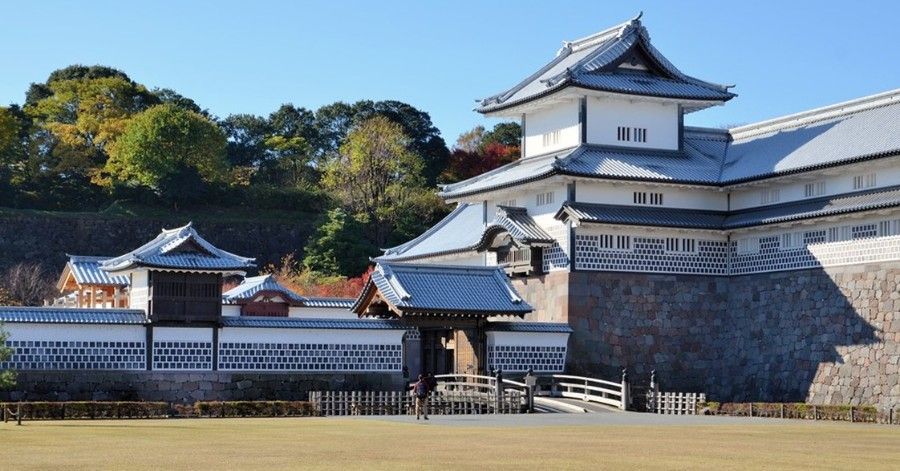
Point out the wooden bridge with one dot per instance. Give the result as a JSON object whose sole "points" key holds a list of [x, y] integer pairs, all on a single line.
{"points": [[479, 394]]}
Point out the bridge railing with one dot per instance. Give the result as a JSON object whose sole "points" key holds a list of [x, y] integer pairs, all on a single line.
{"points": [[601, 391]]}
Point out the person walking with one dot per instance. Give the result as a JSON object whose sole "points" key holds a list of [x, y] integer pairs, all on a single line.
{"points": [[420, 390]]}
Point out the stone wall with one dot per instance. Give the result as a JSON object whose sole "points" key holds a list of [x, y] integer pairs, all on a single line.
{"points": [[47, 239], [827, 336], [187, 387]]}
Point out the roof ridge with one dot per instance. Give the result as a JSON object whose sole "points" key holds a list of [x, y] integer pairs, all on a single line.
{"points": [[801, 118], [601, 36]]}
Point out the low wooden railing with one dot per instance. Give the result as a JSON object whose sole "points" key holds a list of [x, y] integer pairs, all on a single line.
{"points": [[587, 389]]}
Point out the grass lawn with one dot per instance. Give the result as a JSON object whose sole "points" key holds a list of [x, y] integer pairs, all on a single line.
{"points": [[331, 443]]}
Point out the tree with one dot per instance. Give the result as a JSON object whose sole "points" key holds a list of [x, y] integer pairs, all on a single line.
{"points": [[470, 141], [246, 135], [335, 121], [374, 174], [7, 377], [507, 134], [167, 95], [336, 248], [26, 284], [83, 117], [164, 141]]}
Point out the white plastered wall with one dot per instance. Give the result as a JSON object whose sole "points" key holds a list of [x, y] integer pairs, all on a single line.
{"points": [[139, 290], [347, 336], [76, 333], [562, 117], [837, 181], [605, 115], [601, 192]]}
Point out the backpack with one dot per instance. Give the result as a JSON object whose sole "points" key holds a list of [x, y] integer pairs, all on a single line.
{"points": [[421, 389]]}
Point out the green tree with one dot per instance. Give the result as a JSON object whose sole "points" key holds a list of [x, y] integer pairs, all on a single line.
{"points": [[246, 135], [336, 248], [374, 174], [335, 121], [167, 95], [163, 141], [83, 118], [291, 164], [507, 134], [7, 377]]}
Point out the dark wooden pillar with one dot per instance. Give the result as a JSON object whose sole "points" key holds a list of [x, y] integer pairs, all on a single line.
{"points": [[149, 347]]}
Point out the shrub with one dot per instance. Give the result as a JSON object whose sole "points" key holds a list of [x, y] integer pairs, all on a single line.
{"points": [[253, 409], [91, 410]]}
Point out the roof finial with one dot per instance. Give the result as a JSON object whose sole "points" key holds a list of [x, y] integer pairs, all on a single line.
{"points": [[637, 19]]}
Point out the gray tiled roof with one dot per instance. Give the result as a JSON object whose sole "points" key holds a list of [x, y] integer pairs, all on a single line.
{"points": [[842, 133], [250, 286], [460, 231], [642, 216], [700, 162], [721, 220], [521, 226], [591, 63], [444, 289], [550, 327], [839, 134], [86, 271], [819, 207], [344, 303], [165, 251], [464, 230], [61, 315], [304, 323]]}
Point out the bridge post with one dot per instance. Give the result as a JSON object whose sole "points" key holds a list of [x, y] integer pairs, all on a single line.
{"points": [[498, 391], [625, 390]]}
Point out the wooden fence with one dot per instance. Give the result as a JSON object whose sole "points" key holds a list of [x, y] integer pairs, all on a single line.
{"points": [[330, 403], [675, 403]]}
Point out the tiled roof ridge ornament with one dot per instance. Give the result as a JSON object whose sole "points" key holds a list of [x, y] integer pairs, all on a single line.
{"points": [[389, 276]]}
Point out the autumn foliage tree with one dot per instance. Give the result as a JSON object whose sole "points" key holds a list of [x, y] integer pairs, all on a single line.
{"points": [[478, 151]]}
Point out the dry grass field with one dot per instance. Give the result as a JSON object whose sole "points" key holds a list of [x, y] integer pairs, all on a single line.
{"points": [[332, 443]]}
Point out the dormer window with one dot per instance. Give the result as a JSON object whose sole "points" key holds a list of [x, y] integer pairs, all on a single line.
{"points": [[629, 134]]}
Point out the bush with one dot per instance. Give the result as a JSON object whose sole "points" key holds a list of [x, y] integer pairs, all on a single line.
{"points": [[90, 410], [159, 410], [253, 409]]}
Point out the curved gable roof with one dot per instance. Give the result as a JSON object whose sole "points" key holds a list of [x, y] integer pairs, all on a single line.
{"points": [[179, 248], [443, 289], [591, 63]]}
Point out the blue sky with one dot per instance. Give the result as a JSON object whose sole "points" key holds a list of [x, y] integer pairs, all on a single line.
{"points": [[249, 57]]}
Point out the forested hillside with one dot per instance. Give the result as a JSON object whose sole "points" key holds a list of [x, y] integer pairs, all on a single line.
{"points": [[92, 146]]}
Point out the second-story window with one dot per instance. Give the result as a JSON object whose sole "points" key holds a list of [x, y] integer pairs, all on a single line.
{"points": [[551, 138], [630, 134], [643, 197], [769, 196], [863, 181], [813, 189], [545, 198]]}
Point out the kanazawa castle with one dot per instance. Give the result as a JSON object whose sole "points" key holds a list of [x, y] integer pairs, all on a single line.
{"points": [[760, 262]]}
